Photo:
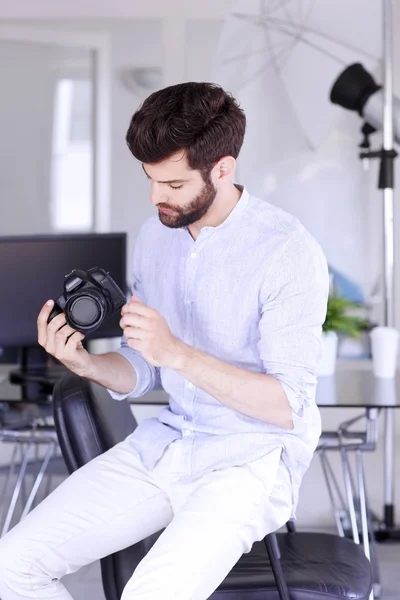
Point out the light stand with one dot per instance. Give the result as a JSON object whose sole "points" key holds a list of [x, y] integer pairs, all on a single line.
{"points": [[355, 89]]}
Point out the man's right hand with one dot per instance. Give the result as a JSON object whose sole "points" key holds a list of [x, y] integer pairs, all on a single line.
{"points": [[62, 342]]}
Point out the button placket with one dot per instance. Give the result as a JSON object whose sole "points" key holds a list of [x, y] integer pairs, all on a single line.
{"points": [[190, 272], [192, 265], [191, 268]]}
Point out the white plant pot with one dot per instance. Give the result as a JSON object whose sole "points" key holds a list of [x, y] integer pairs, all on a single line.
{"points": [[330, 350]]}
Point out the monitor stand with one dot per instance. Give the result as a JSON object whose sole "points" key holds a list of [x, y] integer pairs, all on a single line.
{"points": [[35, 374]]}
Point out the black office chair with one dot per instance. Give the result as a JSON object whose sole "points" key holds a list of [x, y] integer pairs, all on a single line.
{"points": [[286, 566]]}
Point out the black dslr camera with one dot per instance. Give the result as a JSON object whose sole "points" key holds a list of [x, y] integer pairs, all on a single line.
{"points": [[89, 298]]}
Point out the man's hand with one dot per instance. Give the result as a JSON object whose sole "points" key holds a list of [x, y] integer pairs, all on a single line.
{"points": [[147, 332], [61, 341]]}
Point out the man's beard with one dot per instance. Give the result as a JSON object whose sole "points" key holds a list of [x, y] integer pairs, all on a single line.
{"points": [[192, 212]]}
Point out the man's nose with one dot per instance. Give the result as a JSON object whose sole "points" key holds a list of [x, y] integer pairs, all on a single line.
{"points": [[156, 194]]}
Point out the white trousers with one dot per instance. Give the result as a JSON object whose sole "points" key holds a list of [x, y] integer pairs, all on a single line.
{"points": [[114, 501]]}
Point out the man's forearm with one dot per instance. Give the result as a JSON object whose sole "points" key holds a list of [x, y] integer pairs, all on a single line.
{"points": [[257, 395], [112, 371]]}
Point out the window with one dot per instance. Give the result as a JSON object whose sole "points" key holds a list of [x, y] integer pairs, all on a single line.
{"points": [[72, 157]]}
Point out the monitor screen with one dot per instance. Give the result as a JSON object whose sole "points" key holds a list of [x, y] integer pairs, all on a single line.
{"points": [[32, 270]]}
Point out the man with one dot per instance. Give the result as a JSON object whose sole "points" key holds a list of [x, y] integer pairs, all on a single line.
{"points": [[229, 297]]}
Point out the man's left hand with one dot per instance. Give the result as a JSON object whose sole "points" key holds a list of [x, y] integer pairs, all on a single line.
{"points": [[147, 332]]}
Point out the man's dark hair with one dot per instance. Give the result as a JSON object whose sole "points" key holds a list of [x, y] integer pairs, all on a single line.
{"points": [[200, 118]]}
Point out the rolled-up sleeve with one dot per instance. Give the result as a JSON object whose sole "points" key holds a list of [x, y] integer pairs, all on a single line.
{"points": [[147, 376], [293, 303]]}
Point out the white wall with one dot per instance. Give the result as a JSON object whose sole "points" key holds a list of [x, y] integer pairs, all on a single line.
{"points": [[138, 42], [25, 151]]}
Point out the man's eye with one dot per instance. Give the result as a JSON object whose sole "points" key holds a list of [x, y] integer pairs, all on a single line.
{"points": [[175, 187]]}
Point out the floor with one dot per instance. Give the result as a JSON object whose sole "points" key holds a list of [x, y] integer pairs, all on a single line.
{"points": [[86, 583], [389, 560]]}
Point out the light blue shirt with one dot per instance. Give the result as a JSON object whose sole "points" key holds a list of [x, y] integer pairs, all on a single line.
{"points": [[252, 292]]}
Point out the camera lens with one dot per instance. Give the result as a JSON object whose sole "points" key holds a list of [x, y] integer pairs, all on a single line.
{"points": [[85, 311]]}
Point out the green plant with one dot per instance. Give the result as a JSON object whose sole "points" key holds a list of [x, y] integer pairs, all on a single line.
{"points": [[339, 320]]}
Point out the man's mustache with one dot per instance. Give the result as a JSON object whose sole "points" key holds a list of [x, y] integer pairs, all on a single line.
{"points": [[167, 207]]}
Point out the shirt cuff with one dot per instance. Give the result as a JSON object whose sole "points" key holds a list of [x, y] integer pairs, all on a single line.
{"points": [[294, 398], [144, 375], [297, 402]]}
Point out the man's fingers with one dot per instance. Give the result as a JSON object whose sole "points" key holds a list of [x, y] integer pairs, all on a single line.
{"points": [[134, 333], [134, 320], [56, 323], [61, 338], [68, 352], [47, 334], [65, 332], [136, 307], [75, 340], [42, 321], [125, 309], [130, 308]]}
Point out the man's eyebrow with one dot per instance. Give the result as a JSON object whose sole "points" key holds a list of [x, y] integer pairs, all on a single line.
{"points": [[168, 181]]}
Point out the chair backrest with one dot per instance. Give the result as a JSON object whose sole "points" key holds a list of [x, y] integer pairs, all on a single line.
{"points": [[87, 420]]}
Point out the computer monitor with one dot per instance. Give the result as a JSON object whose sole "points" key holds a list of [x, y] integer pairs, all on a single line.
{"points": [[32, 270]]}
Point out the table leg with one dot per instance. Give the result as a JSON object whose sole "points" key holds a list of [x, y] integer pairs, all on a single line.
{"points": [[39, 477], [389, 466], [333, 487], [17, 489], [349, 494], [387, 529]]}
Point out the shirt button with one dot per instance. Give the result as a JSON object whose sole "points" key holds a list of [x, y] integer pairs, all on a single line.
{"points": [[189, 385], [193, 255]]}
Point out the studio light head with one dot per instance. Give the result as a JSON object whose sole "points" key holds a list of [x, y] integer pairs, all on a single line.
{"points": [[355, 89]]}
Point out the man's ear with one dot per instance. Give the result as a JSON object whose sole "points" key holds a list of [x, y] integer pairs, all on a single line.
{"points": [[224, 170]]}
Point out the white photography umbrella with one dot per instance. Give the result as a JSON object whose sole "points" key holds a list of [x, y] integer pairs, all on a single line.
{"points": [[280, 58]]}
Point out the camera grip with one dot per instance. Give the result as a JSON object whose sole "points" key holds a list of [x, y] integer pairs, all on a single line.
{"points": [[56, 311]]}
